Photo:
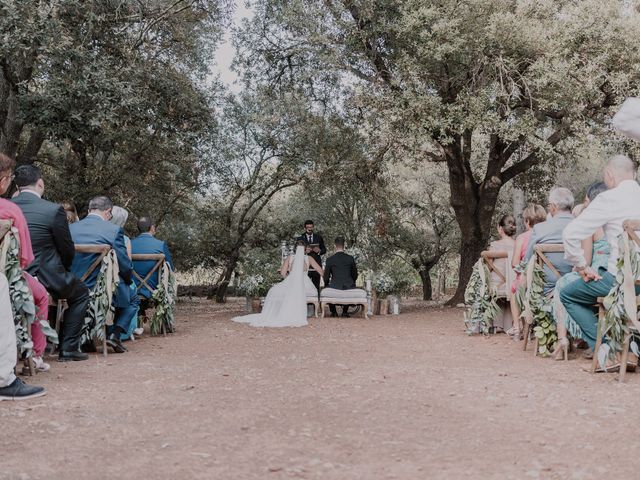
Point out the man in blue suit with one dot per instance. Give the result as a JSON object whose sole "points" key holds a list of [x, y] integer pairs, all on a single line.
{"points": [[96, 229], [146, 243]]}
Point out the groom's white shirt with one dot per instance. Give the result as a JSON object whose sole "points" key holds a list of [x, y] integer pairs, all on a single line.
{"points": [[608, 210]]}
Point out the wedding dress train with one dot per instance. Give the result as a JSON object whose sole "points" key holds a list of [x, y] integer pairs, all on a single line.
{"points": [[285, 304]]}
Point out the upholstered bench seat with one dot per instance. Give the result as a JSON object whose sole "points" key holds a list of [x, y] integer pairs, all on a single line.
{"points": [[355, 296]]}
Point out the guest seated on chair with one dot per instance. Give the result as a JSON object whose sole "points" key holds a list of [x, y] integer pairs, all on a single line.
{"points": [[340, 273], [119, 217], [96, 229], [146, 243], [70, 210], [550, 231], [608, 211], [10, 211], [54, 252], [506, 242]]}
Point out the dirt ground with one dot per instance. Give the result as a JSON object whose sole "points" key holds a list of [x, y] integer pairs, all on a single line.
{"points": [[405, 397]]}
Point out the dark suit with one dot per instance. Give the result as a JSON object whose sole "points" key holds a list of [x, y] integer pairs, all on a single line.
{"points": [[315, 239], [54, 252], [93, 230], [341, 273]]}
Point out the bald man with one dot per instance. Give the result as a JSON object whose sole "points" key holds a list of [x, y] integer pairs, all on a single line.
{"points": [[608, 210]]}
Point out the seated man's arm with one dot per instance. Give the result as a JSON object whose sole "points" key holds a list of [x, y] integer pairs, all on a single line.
{"points": [[167, 255], [327, 272], [62, 238], [124, 262], [354, 270]]}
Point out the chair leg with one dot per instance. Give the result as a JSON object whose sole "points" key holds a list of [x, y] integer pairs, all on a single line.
{"points": [[594, 362], [364, 311], [526, 337], [321, 310], [624, 357]]}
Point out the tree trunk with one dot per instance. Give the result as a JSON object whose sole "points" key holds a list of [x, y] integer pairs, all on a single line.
{"points": [[474, 204], [221, 291], [427, 289]]}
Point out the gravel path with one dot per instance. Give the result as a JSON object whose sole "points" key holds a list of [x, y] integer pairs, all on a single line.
{"points": [[394, 397]]}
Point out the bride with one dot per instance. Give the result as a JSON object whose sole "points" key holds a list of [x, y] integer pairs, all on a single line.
{"points": [[286, 302]]}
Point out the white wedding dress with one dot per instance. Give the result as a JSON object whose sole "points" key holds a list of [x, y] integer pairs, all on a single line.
{"points": [[286, 302]]}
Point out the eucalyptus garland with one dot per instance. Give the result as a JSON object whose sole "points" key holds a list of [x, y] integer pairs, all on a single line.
{"points": [[481, 297], [541, 310], [616, 319], [100, 302], [22, 303], [164, 299]]}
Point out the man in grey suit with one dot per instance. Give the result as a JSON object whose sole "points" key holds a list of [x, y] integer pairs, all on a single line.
{"points": [[560, 205]]}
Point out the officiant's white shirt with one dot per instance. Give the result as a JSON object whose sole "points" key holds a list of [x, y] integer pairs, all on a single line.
{"points": [[608, 210]]}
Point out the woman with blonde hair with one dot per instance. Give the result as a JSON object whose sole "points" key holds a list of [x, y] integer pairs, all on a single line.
{"points": [[531, 215]]}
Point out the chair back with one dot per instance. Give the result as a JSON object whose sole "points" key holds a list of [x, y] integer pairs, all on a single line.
{"points": [[542, 249], [504, 275], [159, 260], [101, 251]]}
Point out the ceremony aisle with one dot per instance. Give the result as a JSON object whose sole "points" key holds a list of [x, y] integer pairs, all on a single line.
{"points": [[403, 397]]}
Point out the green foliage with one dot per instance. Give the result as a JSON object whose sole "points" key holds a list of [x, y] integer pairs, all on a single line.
{"points": [[259, 272], [164, 301], [22, 303], [111, 97], [541, 308], [616, 321], [100, 302], [490, 89], [481, 299]]}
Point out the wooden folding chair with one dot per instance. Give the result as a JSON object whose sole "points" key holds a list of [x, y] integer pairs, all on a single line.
{"points": [[101, 251], [502, 285], [630, 228], [159, 259], [489, 257], [61, 305], [542, 260], [5, 229]]}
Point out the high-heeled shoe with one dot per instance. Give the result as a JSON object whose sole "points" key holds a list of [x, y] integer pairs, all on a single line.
{"points": [[561, 352]]}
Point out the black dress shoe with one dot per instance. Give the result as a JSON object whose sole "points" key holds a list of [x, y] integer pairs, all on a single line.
{"points": [[346, 315], [72, 356], [114, 342], [334, 315]]}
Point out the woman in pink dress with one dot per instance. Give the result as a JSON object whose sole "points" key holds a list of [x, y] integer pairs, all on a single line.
{"points": [[531, 215]]}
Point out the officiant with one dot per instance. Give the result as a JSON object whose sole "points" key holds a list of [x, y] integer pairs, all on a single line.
{"points": [[314, 248]]}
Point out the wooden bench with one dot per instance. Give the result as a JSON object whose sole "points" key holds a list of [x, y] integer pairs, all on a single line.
{"points": [[101, 251], [356, 299]]}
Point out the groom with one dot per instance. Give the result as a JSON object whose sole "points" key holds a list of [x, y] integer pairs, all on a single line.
{"points": [[340, 273], [315, 248]]}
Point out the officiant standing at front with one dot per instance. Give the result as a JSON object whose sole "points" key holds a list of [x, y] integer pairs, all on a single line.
{"points": [[314, 248]]}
